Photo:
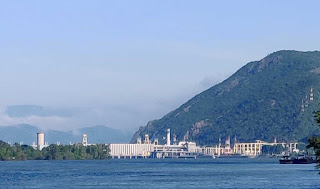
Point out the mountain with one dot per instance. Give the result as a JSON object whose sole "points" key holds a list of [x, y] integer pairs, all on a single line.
{"points": [[97, 134], [264, 99]]}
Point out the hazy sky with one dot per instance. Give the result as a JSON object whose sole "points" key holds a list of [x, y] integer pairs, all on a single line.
{"points": [[123, 63]]}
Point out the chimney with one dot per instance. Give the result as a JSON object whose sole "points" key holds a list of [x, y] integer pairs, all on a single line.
{"points": [[168, 137]]}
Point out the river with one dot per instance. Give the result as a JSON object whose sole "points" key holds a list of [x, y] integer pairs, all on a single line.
{"points": [[155, 173]]}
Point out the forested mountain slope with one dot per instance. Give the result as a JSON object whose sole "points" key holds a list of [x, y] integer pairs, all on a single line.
{"points": [[264, 99]]}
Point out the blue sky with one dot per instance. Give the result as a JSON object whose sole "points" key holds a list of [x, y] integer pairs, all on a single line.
{"points": [[123, 63]]}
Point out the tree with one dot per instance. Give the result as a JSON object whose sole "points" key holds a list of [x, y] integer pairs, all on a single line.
{"points": [[314, 142]]}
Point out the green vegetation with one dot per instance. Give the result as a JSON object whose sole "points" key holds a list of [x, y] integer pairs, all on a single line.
{"points": [[262, 100], [53, 152], [314, 142]]}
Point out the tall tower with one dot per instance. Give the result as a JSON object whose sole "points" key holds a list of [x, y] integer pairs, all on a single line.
{"points": [[168, 137], [235, 142], [146, 139], [84, 140], [139, 140], [227, 148], [219, 146], [40, 141], [311, 94], [302, 106], [174, 139], [228, 142]]}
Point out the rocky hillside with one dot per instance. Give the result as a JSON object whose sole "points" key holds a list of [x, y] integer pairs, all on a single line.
{"points": [[264, 99]]}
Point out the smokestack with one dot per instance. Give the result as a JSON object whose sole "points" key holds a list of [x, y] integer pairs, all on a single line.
{"points": [[168, 137]]}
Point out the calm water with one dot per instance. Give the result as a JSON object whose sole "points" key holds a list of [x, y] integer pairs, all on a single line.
{"points": [[151, 173]]}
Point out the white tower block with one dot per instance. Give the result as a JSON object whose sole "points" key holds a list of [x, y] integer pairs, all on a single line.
{"points": [[84, 140], [40, 140]]}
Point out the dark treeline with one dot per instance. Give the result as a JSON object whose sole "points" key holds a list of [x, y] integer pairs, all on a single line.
{"points": [[53, 152]]}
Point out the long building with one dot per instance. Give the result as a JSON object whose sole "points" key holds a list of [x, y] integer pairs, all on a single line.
{"points": [[131, 150], [254, 149]]}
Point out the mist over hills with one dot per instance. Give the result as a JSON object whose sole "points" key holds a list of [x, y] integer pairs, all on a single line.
{"points": [[17, 126], [96, 134], [33, 110], [264, 99]]}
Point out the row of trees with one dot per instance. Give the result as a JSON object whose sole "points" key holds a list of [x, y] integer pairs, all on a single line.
{"points": [[53, 152]]}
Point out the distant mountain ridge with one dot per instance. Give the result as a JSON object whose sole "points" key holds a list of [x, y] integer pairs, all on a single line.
{"points": [[97, 134], [26, 133], [264, 99]]}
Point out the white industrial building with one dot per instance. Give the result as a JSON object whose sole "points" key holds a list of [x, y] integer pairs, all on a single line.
{"points": [[186, 149], [131, 150]]}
